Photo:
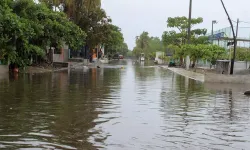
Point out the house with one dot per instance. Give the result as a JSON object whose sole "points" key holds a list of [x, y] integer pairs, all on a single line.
{"points": [[79, 55], [60, 56]]}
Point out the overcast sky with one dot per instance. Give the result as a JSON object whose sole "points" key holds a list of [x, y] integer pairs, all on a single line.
{"points": [[136, 16]]}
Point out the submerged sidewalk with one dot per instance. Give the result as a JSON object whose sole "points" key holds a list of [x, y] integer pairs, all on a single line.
{"points": [[192, 75]]}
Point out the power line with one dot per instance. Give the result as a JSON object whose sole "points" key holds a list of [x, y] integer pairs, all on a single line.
{"points": [[244, 27], [245, 22], [234, 21], [241, 22]]}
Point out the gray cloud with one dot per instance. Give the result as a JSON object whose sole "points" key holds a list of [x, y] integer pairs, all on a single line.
{"points": [[135, 16]]}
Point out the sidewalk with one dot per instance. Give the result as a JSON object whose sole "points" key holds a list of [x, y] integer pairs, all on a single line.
{"points": [[189, 74]]}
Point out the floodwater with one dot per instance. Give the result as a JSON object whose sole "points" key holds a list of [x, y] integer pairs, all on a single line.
{"points": [[121, 107]]}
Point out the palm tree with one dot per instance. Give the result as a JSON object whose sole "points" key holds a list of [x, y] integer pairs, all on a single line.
{"points": [[143, 40], [75, 8], [52, 3]]}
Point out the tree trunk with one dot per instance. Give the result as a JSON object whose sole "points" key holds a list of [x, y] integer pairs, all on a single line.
{"points": [[181, 60], [194, 61]]}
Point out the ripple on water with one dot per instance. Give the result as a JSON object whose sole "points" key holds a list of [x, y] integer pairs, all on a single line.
{"points": [[132, 108]]}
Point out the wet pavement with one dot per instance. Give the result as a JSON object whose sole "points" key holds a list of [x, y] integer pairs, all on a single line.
{"points": [[121, 106], [189, 74]]}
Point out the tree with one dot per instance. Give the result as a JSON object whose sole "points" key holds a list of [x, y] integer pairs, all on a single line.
{"points": [[171, 37], [195, 52], [137, 51], [129, 53], [28, 28], [155, 44], [142, 44], [180, 38], [89, 16], [114, 41], [200, 40], [181, 23], [215, 52], [204, 52], [123, 49], [148, 45], [142, 41]]}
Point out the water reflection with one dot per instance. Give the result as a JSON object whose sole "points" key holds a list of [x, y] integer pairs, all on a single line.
{"points": [[114, 107], [55, 110]]}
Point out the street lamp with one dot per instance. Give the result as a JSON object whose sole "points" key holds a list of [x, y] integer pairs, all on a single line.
{"points": [[213, 22], [234, 37], [189, 32]]}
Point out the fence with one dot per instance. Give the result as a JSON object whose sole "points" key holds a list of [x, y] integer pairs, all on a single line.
{"points": [[243, 34], [240, 67]]}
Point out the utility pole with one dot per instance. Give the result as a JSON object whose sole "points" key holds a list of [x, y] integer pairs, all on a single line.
{"points": [[237, 28], [212, 31], [189, 33], [213, 22], [235, 47], [234, 37]]}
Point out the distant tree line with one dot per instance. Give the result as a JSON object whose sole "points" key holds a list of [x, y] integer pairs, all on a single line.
{"points": [[175, 41]]}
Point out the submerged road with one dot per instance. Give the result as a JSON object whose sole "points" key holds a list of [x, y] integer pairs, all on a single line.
{"points": [[121, 106]]}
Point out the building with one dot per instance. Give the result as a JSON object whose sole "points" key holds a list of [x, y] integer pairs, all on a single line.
{"points": [[223, 36]]}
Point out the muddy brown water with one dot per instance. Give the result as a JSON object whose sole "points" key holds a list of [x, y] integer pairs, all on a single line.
{"points": [[121, 108]]}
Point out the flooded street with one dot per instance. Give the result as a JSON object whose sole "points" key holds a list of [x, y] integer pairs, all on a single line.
{"points": [[116, 108]]}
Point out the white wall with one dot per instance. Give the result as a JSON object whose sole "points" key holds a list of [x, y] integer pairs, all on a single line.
{"points": [[63, 57], [157, 58], [241, 65]]}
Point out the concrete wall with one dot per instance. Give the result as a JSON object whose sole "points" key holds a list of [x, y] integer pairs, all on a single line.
{"points": [[239, 66], [4, 69], [157, 58], [63, 57], [220, 78], [242, 64]]}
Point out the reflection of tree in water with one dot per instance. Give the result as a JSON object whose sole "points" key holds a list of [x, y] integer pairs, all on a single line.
{"points": [[58, 104], [144, 74], [21, 101], [182, 89], [229, 102], [88, 95], [180, 95], [228, 106], [189, 109]]}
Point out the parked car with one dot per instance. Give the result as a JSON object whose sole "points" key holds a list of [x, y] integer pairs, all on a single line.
{"points": [[121, 57]]}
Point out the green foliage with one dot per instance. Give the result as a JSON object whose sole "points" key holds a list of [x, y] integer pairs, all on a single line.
{"points": [[216, 52], [114, 41], [137, 51], [147, 45], [155, 44], [142, 41], [165, 58], [180, 38], [181, 23], [200, 40], [202, 51], [176, 50], [27, 28], [171, 37], [129, 53], [93, 20], [242, 54]]}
